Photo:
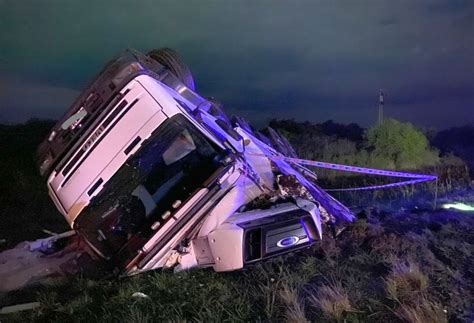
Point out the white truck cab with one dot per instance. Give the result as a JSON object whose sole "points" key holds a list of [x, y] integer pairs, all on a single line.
{"points": [[150, 174]]}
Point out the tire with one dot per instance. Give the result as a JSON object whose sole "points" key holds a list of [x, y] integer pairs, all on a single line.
{"points": [[171, 60]]}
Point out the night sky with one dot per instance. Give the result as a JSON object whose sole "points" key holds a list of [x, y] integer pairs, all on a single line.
{"points": [[308, 60]]}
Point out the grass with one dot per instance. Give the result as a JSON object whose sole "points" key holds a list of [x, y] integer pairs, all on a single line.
{"points": [[392, 264], [294, 311], [396, 267], [406, 282], [423, 311], [408, 286], [333, 300]]}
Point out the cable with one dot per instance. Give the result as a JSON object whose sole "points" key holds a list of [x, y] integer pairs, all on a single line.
{"points": [[414, 178]]}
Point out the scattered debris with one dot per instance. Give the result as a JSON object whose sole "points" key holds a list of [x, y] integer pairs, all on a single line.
{"points": [[19, 308], [140, 295], [51, 233], [24, 266], [47, 244]]}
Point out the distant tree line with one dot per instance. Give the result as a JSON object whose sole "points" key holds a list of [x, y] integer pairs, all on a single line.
{"points": [[391, 145]]}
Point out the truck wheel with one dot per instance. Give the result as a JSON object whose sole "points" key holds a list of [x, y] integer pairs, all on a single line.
{"points": [[171, 60]]}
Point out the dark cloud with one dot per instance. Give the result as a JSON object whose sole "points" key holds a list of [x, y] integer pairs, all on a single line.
{"points": [[313, 60]]}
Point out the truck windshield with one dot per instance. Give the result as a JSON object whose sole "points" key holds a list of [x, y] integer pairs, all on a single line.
{"points": [[169, 167]]}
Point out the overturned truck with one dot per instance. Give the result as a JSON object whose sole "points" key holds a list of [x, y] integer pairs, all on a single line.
{"points": [[150, 174]]}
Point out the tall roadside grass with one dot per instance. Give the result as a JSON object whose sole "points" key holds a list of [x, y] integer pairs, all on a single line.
{"points": [[414, 267]]}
